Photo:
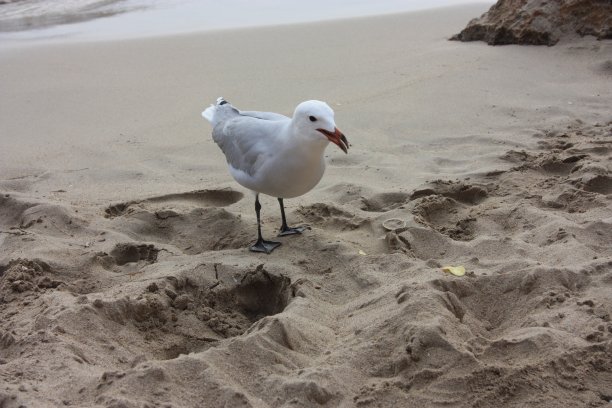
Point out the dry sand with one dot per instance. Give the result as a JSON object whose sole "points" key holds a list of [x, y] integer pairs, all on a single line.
{"points": [[124, 278]]}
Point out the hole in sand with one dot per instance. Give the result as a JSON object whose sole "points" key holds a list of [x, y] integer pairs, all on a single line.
{"points": [[262, 294], [125, 253], [183, 315], [601, 184]]}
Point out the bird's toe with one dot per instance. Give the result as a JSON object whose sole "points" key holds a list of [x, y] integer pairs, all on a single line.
{"points": [[290, 231], [264, 246]]}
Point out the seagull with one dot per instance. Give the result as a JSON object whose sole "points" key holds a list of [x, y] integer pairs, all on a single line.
{"points": [[272, 154]]}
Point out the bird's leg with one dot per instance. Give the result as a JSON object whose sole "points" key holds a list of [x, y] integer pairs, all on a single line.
{"points": [[262, 245], [286, 230]]}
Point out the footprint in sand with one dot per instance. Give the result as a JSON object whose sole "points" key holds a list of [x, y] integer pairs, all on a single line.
{"points": [[383, 202], [331, 216], [183, 220], [448, 206], [199, 198]]}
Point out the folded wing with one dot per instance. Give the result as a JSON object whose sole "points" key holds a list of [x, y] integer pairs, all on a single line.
{"points": [[248, 141]]}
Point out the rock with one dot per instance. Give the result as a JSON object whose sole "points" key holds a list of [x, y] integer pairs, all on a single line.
{"points": [[539, 22]]}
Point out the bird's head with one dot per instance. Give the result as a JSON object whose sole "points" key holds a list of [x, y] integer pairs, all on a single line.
{"points": [[315, 120]]}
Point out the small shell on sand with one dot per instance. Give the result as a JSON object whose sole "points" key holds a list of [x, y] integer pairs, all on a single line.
{"points": [[393, 224]]}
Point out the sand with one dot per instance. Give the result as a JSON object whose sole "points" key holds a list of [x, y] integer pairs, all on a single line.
{"points": [[124, 278]]}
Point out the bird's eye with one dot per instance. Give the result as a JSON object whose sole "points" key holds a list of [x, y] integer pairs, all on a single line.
{"points": [[312, 118]]}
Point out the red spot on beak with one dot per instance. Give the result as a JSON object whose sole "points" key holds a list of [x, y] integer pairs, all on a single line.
{"points": [[337, 138]]}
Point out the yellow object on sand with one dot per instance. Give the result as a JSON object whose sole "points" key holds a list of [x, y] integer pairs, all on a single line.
{"points": [[455, 270], [361, 252]]}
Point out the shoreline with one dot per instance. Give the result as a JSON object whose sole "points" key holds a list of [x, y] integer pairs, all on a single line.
{"points": [[141, 21]]}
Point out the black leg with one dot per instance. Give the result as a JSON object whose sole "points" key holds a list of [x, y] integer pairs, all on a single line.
{"points": [[262, 245], [285, 229]]}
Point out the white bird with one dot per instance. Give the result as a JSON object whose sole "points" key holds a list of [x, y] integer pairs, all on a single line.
{"points": [[273, 154]]}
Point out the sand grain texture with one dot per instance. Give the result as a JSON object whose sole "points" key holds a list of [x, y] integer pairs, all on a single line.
{"points": [[124, 278]]}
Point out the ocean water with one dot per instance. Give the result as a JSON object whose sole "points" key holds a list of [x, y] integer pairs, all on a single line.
{"points": [[43, 20]]}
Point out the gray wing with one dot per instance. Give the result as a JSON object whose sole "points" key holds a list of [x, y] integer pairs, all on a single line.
{"points": [[246, 140], [264, 115]]}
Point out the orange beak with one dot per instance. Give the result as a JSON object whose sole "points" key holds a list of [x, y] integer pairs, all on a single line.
{"points": [[337, 138]]}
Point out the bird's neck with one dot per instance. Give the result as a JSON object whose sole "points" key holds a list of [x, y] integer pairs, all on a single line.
{"points": [[305, 145]]}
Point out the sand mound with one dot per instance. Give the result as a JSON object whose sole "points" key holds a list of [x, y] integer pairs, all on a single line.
{"points": [[155, 302]]}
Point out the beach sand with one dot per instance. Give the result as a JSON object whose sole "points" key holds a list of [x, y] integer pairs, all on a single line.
{"points": [[124, 275]]}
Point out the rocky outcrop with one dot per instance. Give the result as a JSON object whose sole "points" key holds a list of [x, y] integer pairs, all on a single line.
{"points": [[539, 22]]}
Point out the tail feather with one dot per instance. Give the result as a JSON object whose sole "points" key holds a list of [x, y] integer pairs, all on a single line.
{"points": [[209, 113]]}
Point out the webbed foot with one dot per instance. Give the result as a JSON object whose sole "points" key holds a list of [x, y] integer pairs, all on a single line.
{"points": [[264, 246], [290, 231]]}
